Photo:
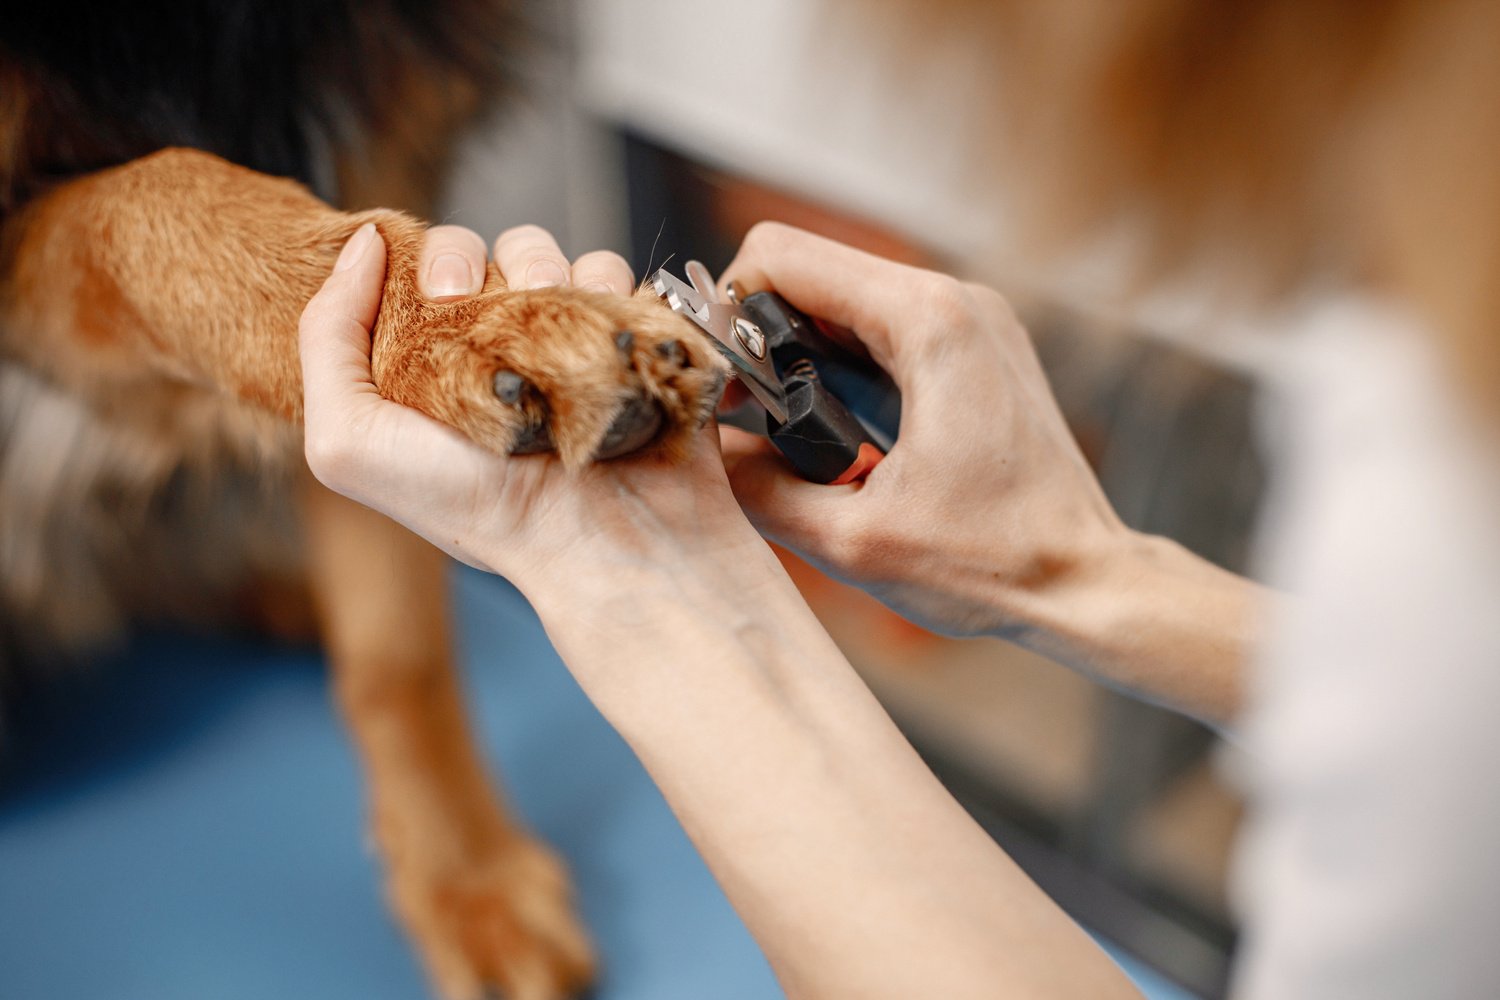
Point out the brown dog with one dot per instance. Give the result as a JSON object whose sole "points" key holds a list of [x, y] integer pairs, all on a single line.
{"points": [[149, 396]]}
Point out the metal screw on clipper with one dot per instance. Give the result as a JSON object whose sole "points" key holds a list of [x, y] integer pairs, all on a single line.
{"points": [[751, 338]]}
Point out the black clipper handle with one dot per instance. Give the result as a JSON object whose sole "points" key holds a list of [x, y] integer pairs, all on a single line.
{"points": [[842, 410]]}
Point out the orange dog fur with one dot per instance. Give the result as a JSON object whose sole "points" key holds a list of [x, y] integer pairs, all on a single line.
{"points": [[148, 314]]}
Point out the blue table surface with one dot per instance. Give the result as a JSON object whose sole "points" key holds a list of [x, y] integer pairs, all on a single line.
{"points": [[186, 822]]}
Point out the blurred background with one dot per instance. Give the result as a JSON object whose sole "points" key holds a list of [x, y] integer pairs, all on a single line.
{"points": [[718, 117], [664, 131]]}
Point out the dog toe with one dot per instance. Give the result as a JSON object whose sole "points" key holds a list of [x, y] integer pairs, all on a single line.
{"points": [[634, 427], [585, 375]]}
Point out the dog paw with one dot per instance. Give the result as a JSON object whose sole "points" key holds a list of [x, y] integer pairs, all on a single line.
{"points": [[504, 927], [588, 375]]}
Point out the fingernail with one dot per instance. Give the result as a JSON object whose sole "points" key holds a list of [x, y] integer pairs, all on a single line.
{"points": [[597, 286], [449, 275], [545, 274], [356, 247]]}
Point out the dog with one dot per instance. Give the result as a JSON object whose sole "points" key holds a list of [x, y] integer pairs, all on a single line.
{"points": [[158, 240]]}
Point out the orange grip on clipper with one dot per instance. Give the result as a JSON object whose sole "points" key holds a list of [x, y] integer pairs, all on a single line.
{"points": [[869, 456]]}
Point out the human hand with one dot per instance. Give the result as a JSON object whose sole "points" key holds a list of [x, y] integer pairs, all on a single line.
{"points": [[523, 516], [985, 502]]}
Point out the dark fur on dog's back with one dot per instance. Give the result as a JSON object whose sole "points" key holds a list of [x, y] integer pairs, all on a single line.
{"points": [[274, 85], [105, 520]]}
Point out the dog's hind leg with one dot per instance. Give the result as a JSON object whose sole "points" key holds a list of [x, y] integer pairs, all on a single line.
{"points": [[487, 905], [179, 278]]}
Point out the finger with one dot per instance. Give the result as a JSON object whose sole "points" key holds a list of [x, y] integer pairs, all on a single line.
{"points": [[604, 271], [843, 336], [334, 333], [343, 413], [452, 263], [831, 281], [529, 257], [735, 396]]}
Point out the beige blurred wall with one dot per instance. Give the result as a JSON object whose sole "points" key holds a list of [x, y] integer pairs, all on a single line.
{"points": [[544, 158]]}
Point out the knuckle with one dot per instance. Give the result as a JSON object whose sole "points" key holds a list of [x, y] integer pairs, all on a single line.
{"points": [[527, 233], [993, 308], [330, 458], [986, 298], [320, 311], [768, 236], [536, 252], [451, 237], [838, 547], [603, 260], [947, 303], [851, 544], [948, 314], [310, 314]]}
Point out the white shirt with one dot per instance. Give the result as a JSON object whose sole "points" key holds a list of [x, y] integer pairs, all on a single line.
{"points": [[1370, 868], [1371, 864]]}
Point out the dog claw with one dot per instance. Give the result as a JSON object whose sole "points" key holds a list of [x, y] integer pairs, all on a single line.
{"points": [[710, 401], [534, 439], [509, 386]]}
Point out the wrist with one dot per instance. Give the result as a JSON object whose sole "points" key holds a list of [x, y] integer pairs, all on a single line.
{"points": [[1143, 613], [651, 590], [1028, 591], [664, 645], [607, 566]]}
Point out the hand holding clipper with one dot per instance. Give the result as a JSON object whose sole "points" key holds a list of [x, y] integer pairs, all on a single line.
{"points": [[832, 413]]}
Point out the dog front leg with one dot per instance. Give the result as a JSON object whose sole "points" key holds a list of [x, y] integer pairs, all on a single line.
{"points": [[175, 269], [179, 271], [487, 905]]}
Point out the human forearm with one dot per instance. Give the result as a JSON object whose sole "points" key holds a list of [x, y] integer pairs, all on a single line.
{"points": [[1135, 611], [858, 874], [1147, 615]]}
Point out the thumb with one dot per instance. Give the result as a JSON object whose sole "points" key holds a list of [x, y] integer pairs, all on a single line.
{"points": [[783, 506], [334, 332]]}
